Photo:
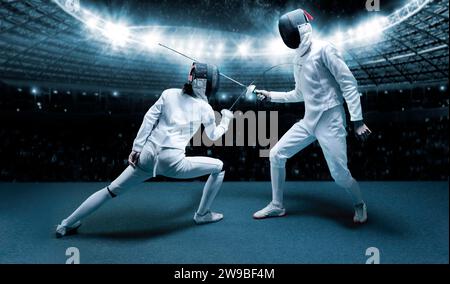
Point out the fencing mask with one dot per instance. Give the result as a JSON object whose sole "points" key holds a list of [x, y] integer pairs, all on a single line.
{"points": [[204, 80], [289, 27]]}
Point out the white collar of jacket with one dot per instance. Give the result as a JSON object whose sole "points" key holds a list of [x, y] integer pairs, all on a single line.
{"points": [[305, 31]]}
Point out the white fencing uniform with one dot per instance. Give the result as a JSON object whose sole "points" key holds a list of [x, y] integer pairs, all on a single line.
{"points": [[167, 128], [323, 82]]}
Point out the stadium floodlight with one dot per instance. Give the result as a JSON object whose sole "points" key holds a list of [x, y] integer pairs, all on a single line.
{"points": [[367, 31], [34, 91], [219, 50], [92, 23], [190, 47], [338, 38], [115, 93], [276, 47], [361, 32], [151, 40], [199, 49], [118, 34], [250, 97], [350, 35], [243, 49], [383, 21], [375, 27], [176, 44]]}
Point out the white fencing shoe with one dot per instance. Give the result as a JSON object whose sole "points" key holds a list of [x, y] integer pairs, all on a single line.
{"points": [[360, 214], [270, 210], [62, 231], [209, 217]]}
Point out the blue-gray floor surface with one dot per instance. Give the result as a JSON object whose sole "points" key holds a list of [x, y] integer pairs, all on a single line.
{"points": [[408, 223]]}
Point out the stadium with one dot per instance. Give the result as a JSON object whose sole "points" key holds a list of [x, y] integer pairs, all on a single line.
{"points": [[77, 78]]}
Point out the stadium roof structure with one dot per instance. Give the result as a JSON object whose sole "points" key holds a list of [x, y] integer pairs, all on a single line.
{"points": [[413, 50], [43, 43]]}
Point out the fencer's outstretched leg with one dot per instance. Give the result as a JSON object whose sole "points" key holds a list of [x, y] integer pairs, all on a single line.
{"points": [[129, 178], [275, 208], [73, 222], [210, 191]]}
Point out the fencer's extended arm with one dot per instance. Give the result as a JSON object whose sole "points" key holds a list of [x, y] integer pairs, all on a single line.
{"points": [[213, 131], [150, 120], [294, 96], [335, 63]]}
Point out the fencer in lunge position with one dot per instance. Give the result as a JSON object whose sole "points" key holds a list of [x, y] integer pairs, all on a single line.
{"points": [[159, 148], [322, 81]]}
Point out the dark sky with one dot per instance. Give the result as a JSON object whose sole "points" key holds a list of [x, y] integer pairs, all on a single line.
{"points": [[244, 16]]}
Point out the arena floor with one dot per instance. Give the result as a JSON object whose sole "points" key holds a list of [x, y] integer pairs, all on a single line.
{"points": [[408, 223]]}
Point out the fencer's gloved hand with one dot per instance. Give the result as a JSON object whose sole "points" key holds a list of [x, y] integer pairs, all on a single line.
{"points": [[362, 132], [227, 114], [227, 117], [263, 95], [133, 159]]}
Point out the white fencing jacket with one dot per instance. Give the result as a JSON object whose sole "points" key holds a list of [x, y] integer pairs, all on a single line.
{"points": [[175, 118], [322, 80]]}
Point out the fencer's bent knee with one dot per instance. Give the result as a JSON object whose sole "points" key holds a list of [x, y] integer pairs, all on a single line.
{"points": [[219, 175], [219, 167], [276, 160]]}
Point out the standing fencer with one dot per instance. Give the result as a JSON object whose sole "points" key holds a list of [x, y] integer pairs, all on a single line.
{"points": [[322, 82], [159, 148]]}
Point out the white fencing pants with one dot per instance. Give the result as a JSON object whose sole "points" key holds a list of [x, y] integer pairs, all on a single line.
{"points": [[331, 134], [167, 162]]}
